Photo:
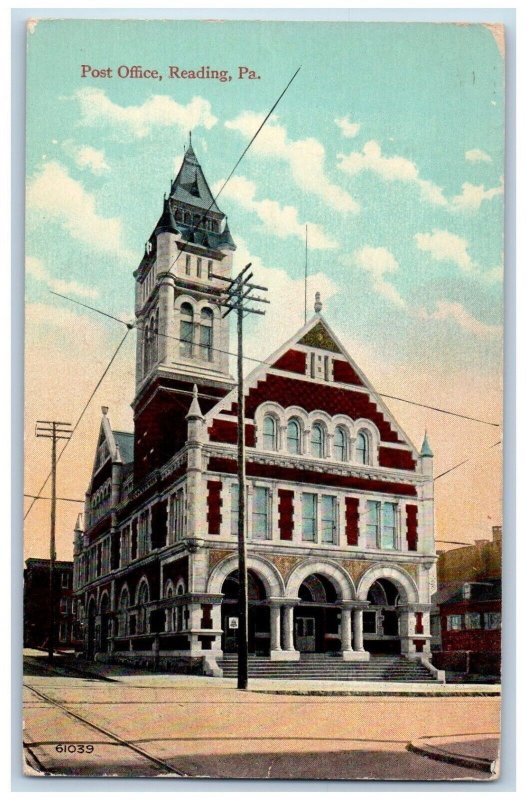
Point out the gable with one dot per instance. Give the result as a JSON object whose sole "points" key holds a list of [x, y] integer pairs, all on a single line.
{"points": [[321, 338]]}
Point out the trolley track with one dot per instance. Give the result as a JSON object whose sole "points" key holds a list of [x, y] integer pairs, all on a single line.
{"points": [[163, 766]]}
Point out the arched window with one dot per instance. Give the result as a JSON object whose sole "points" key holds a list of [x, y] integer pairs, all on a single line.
{"points": [[205, 334], [293, 436], [269, 433], [124, 602], [186, 330], [362, 448], [142, 600], [169, 612], [340, 444], [317, 440]]}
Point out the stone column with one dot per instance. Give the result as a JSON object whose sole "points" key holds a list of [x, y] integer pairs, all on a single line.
{"points": [[345, 629], [358, 642], [276, 647], [288, 643]]}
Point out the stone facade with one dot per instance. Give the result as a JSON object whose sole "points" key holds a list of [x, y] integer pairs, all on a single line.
{"points": [[340, 526]]}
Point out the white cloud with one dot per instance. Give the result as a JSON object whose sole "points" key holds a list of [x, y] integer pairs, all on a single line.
{"points": [[472, 196], [477, 155], [281, 221], [390, 168], [285, 313], [55, 195], [347, 128], [87, 157], [398, 168], [305, 158], [37, 270], [446, 246], [457, 313], [157, 111], [379, 262]]}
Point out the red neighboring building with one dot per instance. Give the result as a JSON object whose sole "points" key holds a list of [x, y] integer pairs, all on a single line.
{"points": [[36, 604], [467, 622]]}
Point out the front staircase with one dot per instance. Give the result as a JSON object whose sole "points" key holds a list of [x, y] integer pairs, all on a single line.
{"points": [[321, 666]]}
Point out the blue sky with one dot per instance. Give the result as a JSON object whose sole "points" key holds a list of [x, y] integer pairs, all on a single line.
{"points": [[388, 144]]}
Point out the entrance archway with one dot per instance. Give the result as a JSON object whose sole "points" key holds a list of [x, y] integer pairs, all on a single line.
{"points": [[317, 616], [259, 631], [381, 621], [90, 644]]}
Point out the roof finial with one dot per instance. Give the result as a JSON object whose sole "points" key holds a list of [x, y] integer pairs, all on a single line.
{"points": [[318, 303], [104, 410], [426, 450], [190, 138]]}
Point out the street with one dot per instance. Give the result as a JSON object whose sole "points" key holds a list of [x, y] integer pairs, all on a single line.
{"points": [[137, 724]]}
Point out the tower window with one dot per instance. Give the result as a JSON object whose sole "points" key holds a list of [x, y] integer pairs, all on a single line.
{"points": [[187, 265], [198, 267], [269, 433], [206, 334], [293, 436], [209, 270], [186, 330], [317, 440], [260, 516]]}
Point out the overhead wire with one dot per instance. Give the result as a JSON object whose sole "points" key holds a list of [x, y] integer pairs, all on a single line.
{"points": [[79, 418]]}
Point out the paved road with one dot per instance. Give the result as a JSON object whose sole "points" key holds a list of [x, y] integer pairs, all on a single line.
{"points": [[153, 725]]}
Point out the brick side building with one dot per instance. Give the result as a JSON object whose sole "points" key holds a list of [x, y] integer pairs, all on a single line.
{"points": [[340, 523], [36, 604], [466, 617]]}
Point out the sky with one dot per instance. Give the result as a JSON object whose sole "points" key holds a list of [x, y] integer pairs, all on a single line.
{"points": [[388, 145]]}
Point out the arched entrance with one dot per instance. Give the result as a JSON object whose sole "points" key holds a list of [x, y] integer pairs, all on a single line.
{"points": [[259, 621], [105, 623], [317, 617], [90, 644], [381, 621]]}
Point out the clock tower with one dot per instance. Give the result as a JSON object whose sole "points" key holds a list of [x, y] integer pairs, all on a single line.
{"points": [[181, 337]]}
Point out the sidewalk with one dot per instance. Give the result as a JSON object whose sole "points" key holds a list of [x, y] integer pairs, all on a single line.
{"points": [[481, 753], [114, 672]]}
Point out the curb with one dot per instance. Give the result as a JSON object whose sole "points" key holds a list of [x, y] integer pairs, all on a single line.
{"points": [[371, 693], [438, 754]]}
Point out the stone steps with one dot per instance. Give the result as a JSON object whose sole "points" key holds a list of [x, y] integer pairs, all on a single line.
{"points": [[317, 666]]}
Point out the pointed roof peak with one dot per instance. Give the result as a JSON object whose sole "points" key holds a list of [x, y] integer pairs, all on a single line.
{"points": [[190, 185], [426, 450], [194, 411], [166, 222]]}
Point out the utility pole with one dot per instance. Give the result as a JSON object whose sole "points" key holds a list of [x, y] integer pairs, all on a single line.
{"points": [[54, 431], [236, 297]]}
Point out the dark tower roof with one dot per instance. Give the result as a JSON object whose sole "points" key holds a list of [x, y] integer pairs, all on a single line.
{"points": [[190, 185], [166, 223]]}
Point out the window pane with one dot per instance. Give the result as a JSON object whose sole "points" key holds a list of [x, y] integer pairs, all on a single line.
{"points": [[317, 440], [293, 437], [362, 448], [372, 523], [186, 338], [260, 513], [206, 342], [328, 518], [389, 540], [269, 433], [340, 445], [234, 509], [472, 620], [309, 517]]}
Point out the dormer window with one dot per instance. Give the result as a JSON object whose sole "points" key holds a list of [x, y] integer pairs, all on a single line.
{"points": [[270, 433]]}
